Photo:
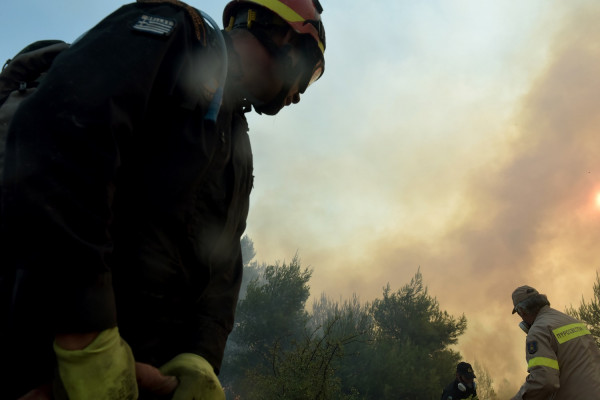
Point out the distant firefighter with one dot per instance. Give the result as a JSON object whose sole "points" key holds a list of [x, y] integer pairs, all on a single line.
{"points": [[563, 359], [464, 386]]}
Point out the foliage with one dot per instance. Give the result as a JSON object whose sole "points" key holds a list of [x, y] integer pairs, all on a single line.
{"points": [[485, 387], [252, 270], [305, 372], [590, 312], [396, 347], [248, 252], [351, 323], [271, 314], [412, 314], [275, 309], [410, 356], [351, 317]]}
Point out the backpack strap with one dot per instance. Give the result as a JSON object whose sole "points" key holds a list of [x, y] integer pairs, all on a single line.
{"points": [[217, 100], [24, 69], [199, 18]]}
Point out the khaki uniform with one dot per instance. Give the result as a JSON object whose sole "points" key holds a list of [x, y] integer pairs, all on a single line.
{"points": [[563, 359]]}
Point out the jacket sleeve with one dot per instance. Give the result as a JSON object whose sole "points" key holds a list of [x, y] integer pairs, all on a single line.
{"points": [[542, 365], [216, 308], [63, 159]]}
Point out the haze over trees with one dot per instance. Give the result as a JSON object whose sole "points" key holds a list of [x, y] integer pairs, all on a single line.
{"points": [[589, 312], [399, 346]]}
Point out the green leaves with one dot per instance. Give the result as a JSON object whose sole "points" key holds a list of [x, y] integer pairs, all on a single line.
{"points": [[395, 347], [273, 309], [589, 312], [410, 313]]}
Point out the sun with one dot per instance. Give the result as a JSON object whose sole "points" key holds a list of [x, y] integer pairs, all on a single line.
{"points": [[598, 200]]}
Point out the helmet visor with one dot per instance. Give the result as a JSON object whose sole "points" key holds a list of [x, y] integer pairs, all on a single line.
{"points": [[311, 65], [316, 74], [300, 70]]}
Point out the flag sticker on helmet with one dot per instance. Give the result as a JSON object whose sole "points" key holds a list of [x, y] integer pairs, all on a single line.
{"points": [[155, 25]]}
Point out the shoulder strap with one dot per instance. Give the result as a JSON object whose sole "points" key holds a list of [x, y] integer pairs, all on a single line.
{"points": [[25, 68], [199, 17], [215, 104]]}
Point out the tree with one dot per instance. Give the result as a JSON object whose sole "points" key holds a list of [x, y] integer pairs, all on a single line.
{"points": [[274, 309], [590, 312], [485, 384], [352, 325], [351, 317], [410, 358], [248, 252], [305, 372], [272, 313], [252, 270], [412, 314], [395, 347]]}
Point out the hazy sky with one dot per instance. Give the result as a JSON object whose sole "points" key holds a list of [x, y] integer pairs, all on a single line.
{"points": [[458, 137]]}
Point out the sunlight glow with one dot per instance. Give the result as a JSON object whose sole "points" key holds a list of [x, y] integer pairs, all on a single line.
{"points": [[598, 200]]}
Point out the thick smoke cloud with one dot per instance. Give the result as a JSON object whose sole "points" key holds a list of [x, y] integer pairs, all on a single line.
{"points": [[481, 193]]}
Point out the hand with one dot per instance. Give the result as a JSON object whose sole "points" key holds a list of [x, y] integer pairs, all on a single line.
{"points": [[103, 370], [197, 378], [75, 341], [151, 380], [41, 393]]}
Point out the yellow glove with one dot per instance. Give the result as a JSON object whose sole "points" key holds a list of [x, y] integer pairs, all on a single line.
{"points": [[104, 370], [197, 379]]}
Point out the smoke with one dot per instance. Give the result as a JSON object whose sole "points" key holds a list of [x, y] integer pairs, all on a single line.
{"points": [[533, 219], [481, 193]]}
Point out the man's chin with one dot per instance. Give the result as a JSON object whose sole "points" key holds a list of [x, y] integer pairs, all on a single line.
{"points": [[272, 106], [268, 109]]}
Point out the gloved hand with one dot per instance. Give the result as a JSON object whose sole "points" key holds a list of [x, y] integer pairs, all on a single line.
{"points": [[104, 370], [197, 379]]}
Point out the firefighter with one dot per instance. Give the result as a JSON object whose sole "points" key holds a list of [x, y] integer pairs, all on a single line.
{"points": [[126, 192], [463, 386], [563, 360]]}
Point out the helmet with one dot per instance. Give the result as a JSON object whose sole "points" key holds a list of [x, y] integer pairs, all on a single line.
{"points": [[304, 16]]}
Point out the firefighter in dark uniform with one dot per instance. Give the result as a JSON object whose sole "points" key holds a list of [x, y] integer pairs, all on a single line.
{"points": [[126, 191], [464, 386]]}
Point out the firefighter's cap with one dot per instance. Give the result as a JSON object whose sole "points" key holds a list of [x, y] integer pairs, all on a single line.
{"points": [[465, 369], [522, 293]]}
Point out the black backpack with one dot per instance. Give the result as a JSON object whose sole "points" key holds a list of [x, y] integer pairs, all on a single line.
{"points": [[19, 78]]}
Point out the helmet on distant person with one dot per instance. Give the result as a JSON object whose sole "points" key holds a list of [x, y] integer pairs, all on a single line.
{"points": [[303, 16]]}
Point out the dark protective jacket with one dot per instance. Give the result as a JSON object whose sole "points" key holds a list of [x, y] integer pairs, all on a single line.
{"points": [[452, 392], [122, 204], [563, 359]]}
